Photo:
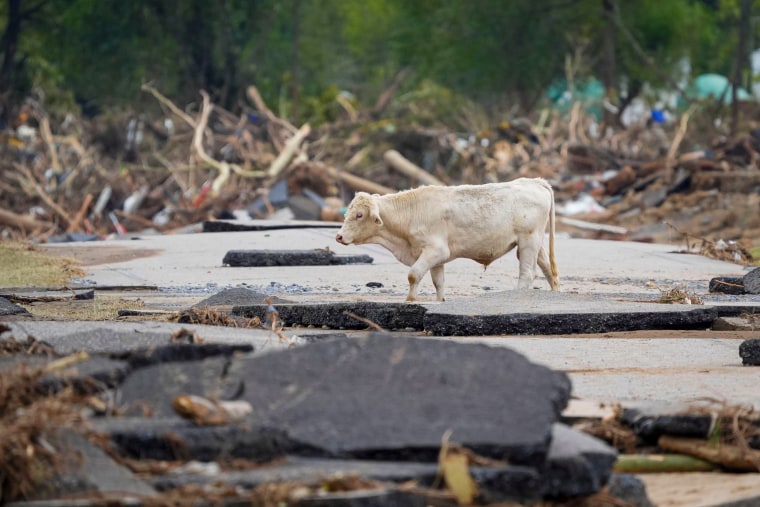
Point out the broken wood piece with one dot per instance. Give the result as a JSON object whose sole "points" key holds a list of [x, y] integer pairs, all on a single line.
{"points": [[75, 224], [728, 456], [21, 222], [207, 412], [168, 103], [222, 167], [262, 258], [660, 463], [42, 194], [593, 226], [291, 146], [362, 184], [404, 166]]}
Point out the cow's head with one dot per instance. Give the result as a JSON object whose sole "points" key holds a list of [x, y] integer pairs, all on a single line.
{"points": [[362, 220]]}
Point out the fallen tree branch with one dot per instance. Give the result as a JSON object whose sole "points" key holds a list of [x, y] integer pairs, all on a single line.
{"points": [[728, 456], [593, 226], [21, 222], [168, 103], [404, 166], [680, 133], [47, 137], [74, 225], [385, 98], [223, 168], [359, 183], [44, 195], [291, 146]]}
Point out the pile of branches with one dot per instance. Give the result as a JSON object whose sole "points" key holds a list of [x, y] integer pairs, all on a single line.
{"points": [[114, 175]]}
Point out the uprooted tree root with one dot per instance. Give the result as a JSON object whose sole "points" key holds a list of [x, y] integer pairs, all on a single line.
{"points": [[29, 415]]}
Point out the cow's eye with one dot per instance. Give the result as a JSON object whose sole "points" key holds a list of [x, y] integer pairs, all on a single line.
{"points": [[359, 215]]}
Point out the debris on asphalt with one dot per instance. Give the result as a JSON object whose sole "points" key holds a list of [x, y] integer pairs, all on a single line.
{"points": [[212, 317], [706, 435], [679, 295]]}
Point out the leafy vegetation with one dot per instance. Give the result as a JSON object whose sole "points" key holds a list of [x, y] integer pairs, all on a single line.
{"points": [[300, 53]]}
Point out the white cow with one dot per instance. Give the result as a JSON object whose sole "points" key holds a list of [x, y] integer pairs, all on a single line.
{"points": [[431, 225]]}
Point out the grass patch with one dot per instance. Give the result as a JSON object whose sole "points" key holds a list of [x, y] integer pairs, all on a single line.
{"points": [[101, 308], [25, 266]]}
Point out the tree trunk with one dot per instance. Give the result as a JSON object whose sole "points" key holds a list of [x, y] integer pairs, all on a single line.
{"points": [[296, 64], [10, 44], [741, 62], [609, 64]]}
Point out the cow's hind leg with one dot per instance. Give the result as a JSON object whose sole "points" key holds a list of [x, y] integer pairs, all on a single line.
{"points": [[429, 259], [546, 268], [436, 273]]}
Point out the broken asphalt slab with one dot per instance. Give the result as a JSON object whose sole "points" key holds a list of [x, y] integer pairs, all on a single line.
{"points": [[380, 398], [576, 465], [321, 257], [532, 312], [8, 308]]}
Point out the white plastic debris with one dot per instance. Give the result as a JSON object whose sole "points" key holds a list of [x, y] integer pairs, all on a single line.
{"points": [[584, 203]]}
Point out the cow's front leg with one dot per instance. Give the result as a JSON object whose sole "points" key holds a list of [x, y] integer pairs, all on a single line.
{"points": [[428, 259], [436, 273]]}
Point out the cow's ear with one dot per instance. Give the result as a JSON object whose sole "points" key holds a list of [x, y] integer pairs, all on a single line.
{"points": [[374, 213]]}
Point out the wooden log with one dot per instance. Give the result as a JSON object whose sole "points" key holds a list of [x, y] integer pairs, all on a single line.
{"points": [[43, 195], [751, 282], [21, 222], [291, 146], [593, 226], [363, 184], [77, 220], [660, 463], [731, 457], [622, 180], [404, 166]]}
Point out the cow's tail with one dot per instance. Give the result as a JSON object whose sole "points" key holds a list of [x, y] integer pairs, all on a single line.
{"points": [[554, 282]]}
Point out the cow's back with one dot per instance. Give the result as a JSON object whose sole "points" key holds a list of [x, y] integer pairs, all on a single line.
{"points": [[483, 222]]}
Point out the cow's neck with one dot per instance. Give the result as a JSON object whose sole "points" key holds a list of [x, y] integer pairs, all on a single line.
{"points": [[395, 232]]}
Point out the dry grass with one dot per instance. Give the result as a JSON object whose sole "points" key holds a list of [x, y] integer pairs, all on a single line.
{"points": [[102, 308], [25, 266], [29, 415]]}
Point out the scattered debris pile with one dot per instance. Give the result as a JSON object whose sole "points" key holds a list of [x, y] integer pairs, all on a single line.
{"points": [[75, 178], [386, 416], [708, 436]]}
